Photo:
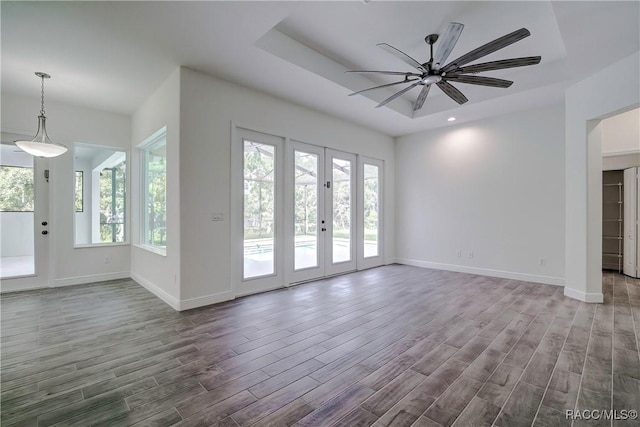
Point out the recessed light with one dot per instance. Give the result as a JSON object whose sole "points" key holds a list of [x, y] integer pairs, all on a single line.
{"points": [[451, 119]]}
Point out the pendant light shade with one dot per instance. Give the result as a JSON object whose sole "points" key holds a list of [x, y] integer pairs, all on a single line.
{"points": [[41, 145]]}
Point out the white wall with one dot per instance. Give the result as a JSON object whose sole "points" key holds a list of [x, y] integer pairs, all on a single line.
{"points": [[587, 100], [208, 107], [494, 187], [68, 124], [159, 273], [621, 133]]}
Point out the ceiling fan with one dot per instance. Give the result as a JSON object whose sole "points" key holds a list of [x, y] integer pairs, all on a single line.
{"points": [[435, 72]]}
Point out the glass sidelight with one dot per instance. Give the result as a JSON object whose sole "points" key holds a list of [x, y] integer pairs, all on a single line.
{"points": [[306, 196], [259, 209]]}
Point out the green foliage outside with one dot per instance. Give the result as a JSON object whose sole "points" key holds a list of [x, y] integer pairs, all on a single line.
{"points": [[156, 200], [306, 194], [258, 191], [79, 189], [371, 192], [112, 204], [16, 189]]}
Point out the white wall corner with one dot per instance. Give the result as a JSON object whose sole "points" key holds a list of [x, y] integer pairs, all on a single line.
{"points": [[594, 297], [188, 304], [547, 280], [172, 301], [92, 278]]}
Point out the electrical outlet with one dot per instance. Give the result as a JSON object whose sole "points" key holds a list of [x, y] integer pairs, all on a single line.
{"points": [[470, 254], [541, 261], [459, 254], [107, 260], [217, 216]]}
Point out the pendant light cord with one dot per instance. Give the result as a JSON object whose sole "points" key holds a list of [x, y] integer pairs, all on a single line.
{"points": [[42, 97]]}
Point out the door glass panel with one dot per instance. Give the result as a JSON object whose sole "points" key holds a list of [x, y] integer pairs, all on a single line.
{"points": [[306, 210], [16, 213], [371, 212], [259, 209], [341, 191]]}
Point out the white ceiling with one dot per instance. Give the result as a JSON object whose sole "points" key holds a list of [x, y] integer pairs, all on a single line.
{"points": [[112, 55]]}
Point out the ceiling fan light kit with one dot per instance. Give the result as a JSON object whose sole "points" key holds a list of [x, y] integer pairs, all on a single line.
{"points": [[434, 72], [41, 145]]}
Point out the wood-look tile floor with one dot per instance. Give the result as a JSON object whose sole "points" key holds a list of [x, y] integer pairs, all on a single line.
{"points": [[395, 345]]}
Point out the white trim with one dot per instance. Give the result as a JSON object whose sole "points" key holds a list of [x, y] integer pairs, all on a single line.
{"points": [[594, 297], [547, 280], [163, 295], [259, 289], [620, 153], [81, 280], [153, 249], [188, 304], [16, 287]]}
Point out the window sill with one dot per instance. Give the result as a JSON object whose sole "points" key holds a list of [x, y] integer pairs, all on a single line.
{"points": [[99, 245], [152, 249]]}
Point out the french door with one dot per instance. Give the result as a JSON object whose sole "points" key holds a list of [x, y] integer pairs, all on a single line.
{"points": [[24, 261], [320, 187], [303, 211]]}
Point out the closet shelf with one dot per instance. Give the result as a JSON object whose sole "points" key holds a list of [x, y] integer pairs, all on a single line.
{"points": [[612, 254]]}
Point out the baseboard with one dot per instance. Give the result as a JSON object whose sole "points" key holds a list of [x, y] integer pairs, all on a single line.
{"points": [[188, 304], [594, 297], [160, 293], [81, 280], [13, 287], [547, 280]]}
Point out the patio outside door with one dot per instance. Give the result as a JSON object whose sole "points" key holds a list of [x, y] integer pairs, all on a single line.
{"points": [[24, 211], [320, 202]]}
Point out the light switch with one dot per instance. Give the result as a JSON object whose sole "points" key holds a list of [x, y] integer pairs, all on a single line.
{"points": [[217, 216]]}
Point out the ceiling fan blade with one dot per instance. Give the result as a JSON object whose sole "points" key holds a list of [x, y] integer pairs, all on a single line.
{"points": [[479, 80], [446, 44], [422, 97], [381, 86], [452, 92], [499, 65], [488, 48], [390, 73], [397, 94], [402, 56]]}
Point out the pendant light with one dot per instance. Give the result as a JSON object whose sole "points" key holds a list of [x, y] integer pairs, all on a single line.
{"points": [[41, 145]]}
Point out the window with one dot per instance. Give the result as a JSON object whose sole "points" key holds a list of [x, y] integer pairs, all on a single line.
{"points": [[16, 189], [259, 209], [100, 176], [112, 203], [371, 210], [154, 206], [79, 186]]}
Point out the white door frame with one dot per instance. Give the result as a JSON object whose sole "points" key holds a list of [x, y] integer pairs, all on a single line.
{"points": [[377, 260], [42, 242], [296, 276], [242, 286], [351, 264], [630, 232]]}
